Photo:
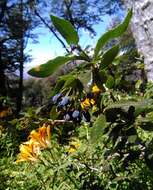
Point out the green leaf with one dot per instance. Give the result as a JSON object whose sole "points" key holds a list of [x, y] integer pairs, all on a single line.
{"points": [[110, 82], [114, 33], [53, 113], [145, 123], [74, 83], [138, 84], [70, 82], [109, 56], [50, 67], [58, 87], [66, 29], [98, 129], [143, 106], [149, 154]]}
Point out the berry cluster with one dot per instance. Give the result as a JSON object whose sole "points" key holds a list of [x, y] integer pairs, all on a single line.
{"points": [[65, 105]]}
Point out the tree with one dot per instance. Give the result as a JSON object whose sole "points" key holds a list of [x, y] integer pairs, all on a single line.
{"points": [[84, 14], [142, 29], [3, 7], [17, 23]]}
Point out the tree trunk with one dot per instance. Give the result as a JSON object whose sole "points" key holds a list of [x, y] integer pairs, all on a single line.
{"points": [[20, 91], [3, 91], [21, 42], [142, 28]]}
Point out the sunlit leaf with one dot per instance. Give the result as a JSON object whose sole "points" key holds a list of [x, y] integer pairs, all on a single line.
{"points": [[114, 33], [50, 67], [66, 29]]}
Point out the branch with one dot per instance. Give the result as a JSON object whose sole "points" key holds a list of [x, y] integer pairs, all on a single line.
{"points": [[51, 29], [69, 12], [58, 122]]}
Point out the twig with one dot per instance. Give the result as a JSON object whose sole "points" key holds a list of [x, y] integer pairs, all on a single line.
{"points": [[51, 29], [53, 122]]}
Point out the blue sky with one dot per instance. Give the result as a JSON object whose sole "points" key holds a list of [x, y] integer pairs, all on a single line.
{"points": [[49, 47]]}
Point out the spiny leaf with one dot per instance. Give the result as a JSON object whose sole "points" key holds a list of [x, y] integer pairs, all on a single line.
{"points": [[66, 29]]}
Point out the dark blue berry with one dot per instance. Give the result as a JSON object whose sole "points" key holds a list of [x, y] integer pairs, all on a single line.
{"points": [[56, 98], [63, 102], [75, 114], [67, 117]]}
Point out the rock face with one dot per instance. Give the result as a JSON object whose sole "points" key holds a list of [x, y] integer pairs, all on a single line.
{"points": [[142, 28]]}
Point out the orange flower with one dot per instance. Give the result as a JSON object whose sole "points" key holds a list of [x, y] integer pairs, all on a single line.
{"points": [[29, 151], [42, 136], [38, 140]]}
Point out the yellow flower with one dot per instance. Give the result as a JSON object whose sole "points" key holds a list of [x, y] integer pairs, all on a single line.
{"points": [[42, 136], [95, 89], [74, 145], [87, 103], [29, 151]]}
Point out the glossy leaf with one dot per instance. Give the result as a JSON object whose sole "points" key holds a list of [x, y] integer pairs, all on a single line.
{"points": [[109, 56], [114, 33], [66, 29], [50, 67]]}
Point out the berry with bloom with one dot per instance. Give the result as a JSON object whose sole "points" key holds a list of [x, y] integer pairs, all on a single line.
{"points": [[56, 98]]}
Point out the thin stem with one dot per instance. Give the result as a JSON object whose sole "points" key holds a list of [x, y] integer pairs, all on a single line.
{"points": [[51, 29], [58, 122], [84, 53]]}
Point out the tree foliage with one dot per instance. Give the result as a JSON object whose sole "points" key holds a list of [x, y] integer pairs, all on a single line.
{"points": [[16, 26], [84, 14]]}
